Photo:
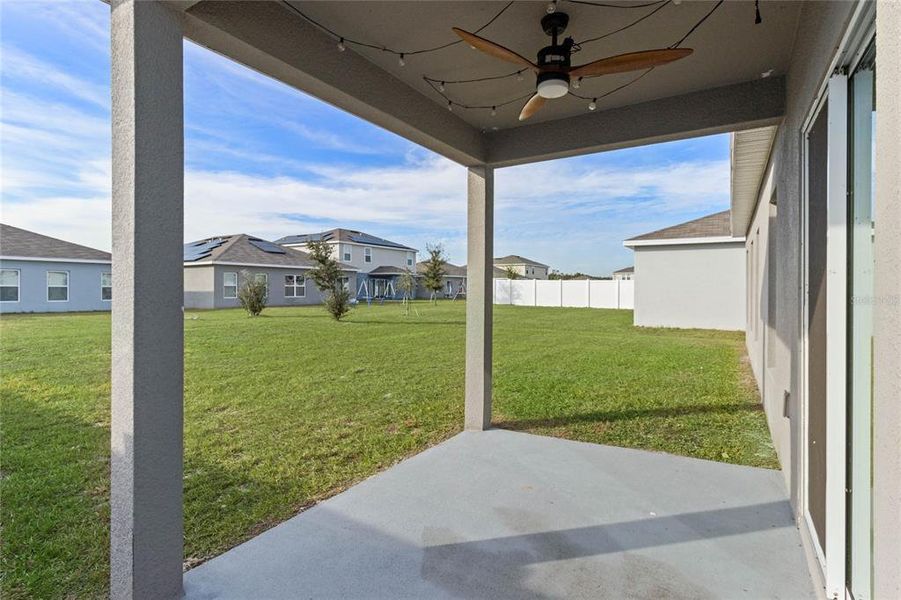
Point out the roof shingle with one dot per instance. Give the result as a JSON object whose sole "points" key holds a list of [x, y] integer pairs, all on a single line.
{"points": [[342, 235], [238, 249], [28, 244], [715, 225]]}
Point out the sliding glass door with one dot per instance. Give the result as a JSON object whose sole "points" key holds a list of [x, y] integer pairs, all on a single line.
{"points": [[862, 121]]}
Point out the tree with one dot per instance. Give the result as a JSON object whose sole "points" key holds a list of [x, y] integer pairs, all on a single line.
{"points": [[511, 273], [406, 283], [252, 293], [434, 272], [328, 279]]}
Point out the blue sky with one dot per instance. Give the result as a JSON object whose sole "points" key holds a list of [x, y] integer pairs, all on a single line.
{"points": [[264, 159]]}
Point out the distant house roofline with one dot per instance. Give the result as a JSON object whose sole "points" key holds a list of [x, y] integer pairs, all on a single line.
{"points": [[715, 228], [514, 259], [21, 244], [343, 236]]}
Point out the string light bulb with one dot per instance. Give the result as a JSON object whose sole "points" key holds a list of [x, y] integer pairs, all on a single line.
{"points": [[493, 111], [441, 87], [519, 76], [341, 46], [551, 6], [400, 60], [577, 83], [593, 104], [450, 106]]}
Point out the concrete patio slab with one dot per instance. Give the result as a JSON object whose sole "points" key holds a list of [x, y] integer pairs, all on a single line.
{"points": [[499, 514]]}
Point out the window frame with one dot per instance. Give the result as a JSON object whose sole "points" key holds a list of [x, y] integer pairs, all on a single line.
{"points": [[110, 286], [367, 254], [18, 286], [66, 273], [410, 259], [265, 276], [224, 285], [347, 253], [302, 286]]}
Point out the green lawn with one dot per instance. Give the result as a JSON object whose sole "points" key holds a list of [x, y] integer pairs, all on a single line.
{"points": [[284, 410]]}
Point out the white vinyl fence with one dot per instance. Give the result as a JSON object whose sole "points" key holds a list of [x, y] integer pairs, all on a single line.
{"points": [[587, 293]]}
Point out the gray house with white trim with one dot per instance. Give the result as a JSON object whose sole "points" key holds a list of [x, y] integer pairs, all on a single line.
{"points": [[377, 261], [215, 268], [39, 273]]}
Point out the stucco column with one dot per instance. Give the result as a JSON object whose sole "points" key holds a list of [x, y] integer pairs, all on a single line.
{"points": [[480, 296], [146, 527], [887, 307]]}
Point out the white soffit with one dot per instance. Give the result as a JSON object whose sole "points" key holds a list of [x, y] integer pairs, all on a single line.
{"points": [[749, 155]]}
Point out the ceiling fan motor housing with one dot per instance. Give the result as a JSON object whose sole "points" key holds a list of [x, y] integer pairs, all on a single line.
{"points": [[553, 79]]}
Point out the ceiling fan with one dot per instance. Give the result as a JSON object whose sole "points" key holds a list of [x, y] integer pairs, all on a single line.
{"points": [[553, 67]]}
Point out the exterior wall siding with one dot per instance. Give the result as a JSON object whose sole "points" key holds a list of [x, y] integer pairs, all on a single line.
{"points": [[199, 290], [84, 287], [692, 286], [204, 286], [381, 256]]}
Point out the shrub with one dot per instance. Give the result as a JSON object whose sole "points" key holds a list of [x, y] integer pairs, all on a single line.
{"points": [[252, 293], [328, 279]]}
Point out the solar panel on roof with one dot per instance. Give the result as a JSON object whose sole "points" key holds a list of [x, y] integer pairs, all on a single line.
{"points": [[363, 238], [267, 246], [202, 249]]}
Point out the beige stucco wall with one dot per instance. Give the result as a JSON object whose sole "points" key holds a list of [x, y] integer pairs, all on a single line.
{"points": [[691, 286]]}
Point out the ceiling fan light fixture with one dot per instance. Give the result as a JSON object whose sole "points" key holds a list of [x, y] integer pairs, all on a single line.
{"points": [[553, 85]]}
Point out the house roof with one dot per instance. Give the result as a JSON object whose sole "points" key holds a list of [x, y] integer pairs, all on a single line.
{"points": [[343, 235], [713, 227], [749, 154], [387, 270], [450, 270], [625, 270], [243, 249], [15, 242], [515, 259]]}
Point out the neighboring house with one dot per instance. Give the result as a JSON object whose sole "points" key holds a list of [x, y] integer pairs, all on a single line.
{"points": [[624, 274], [453, 283], [527, 269], [379, 262], [215, 268], [39, 273], [692, 275]]}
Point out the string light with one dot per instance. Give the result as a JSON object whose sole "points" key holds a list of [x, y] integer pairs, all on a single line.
{"points": [[552, 6], [577, 83], [400, 60], [519, 76], [450, 106], [343, 42], [593, 104], [441, 87], [493, 111]]}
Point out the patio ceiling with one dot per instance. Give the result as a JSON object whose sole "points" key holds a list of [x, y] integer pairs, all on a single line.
{"points": [[718, 88]]}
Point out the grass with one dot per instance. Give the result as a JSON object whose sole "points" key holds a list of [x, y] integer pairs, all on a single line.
{"points": [[287, 409]]}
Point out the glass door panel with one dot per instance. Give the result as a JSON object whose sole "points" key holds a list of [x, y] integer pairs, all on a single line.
{"points": [[860, 338]]}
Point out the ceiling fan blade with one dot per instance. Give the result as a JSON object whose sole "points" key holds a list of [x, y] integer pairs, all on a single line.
{"points": [[495, 50], [531, 107], [632, 61]]}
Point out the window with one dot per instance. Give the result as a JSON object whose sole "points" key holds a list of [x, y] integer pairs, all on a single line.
{"points": [[230, 285], [345, 282], [57, 286], [347, 255], [367, 255], [295, 286], [409, 260], [106, 286], [263, 278], [9, 285]]}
